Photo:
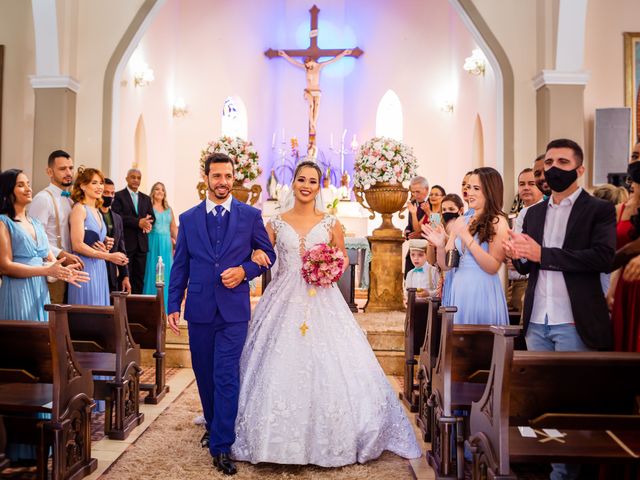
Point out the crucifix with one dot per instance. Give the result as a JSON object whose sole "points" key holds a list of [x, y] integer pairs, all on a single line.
{"points": [[312, 67]]}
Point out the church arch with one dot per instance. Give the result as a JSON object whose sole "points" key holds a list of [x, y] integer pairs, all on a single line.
{"points": [[389, 116], [477, 144]]}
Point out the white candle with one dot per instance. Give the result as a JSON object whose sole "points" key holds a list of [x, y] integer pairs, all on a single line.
{"points": [[283, 140], [331, 141], [273, 140]]}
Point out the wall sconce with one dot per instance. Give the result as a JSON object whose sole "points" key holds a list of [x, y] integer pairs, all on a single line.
{"points": [[476, 63], [447, 106], [180, 108], [144, 76]]}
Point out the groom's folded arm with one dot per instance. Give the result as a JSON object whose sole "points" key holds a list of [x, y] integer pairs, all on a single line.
{"points": [[259, 241]]}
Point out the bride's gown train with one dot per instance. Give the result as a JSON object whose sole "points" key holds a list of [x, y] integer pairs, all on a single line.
{"points": [[320, 398]]}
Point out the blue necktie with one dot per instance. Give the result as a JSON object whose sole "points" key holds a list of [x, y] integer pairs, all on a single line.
{"points": [[65, 193], [134, 199], [219, 209]]}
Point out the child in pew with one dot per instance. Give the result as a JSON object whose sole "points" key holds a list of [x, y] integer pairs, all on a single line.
{"points": [[423, 277]]}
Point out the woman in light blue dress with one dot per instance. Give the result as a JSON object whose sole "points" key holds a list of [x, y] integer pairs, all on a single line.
{"points": [[476, 289], [88, 237], [161, 240], [25, 258]]}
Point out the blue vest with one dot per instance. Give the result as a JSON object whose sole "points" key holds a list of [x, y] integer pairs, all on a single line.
{"points": [[217, 228]]}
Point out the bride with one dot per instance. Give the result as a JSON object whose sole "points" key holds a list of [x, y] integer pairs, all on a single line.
{"points": [[312, 391]]}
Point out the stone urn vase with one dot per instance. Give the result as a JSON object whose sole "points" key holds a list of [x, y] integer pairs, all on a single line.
{"points": [[386, 199], [244, 194]]}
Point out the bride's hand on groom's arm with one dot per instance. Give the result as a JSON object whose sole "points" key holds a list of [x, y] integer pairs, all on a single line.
{"points": [[232, 277], [260, 258], [173, 320]]}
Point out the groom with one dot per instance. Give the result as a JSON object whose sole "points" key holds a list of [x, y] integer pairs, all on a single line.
{"points": [[213, 261]]}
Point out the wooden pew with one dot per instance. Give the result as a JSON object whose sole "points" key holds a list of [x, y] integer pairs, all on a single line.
{"points": [[415, 325], [591, 397], [104, 343], [148, 322], [459, 377], [40, 374], [426, 363]]}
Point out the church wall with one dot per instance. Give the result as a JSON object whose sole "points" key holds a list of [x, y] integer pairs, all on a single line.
{"points": [[101, 25], [604, 57], [516, 25], [16, 34]]}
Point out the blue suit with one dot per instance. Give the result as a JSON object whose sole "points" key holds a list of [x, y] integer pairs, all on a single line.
{"points": [[217, 316]]}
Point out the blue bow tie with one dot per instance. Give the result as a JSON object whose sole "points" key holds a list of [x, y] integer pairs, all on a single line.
{"points": [[418, 269], [65, 193]]}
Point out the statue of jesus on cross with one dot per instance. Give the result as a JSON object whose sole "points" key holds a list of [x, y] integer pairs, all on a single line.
{"points": [[312, 69]]}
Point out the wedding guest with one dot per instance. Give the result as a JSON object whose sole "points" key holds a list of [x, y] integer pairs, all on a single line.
{"points": [[538, 174], [423, 277], [118, 274], [529, 195], [624, 290], [52, 207], [26, 259], [162, 238], [611, 193], [137, 215], [476, 288], [465, 189], [419, 188], [436, 195], [88, 232]]}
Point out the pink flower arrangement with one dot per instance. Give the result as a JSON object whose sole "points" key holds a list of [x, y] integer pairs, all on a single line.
{"points": [[322, 265]]}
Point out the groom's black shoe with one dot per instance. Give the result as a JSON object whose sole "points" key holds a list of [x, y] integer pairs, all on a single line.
{"points": [[223, 462], [204, 441]]}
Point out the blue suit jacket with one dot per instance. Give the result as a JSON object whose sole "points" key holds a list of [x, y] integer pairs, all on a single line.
{"points": [[197, 268]]}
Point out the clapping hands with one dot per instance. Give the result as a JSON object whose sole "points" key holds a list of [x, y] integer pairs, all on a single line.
{"points": [[435, 234], [146, 223], [72, 274], [521, 245]]}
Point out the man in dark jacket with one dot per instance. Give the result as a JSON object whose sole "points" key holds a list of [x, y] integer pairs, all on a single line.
{"points": [[118, 275], [136, 211]]}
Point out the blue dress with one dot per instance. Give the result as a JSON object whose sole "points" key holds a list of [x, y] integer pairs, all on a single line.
{"points": [[478, 295], [446, 287], [96, 290], [159, 246], [25, 298]]}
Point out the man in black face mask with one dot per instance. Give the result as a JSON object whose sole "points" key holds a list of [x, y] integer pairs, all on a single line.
{"points": [[118, 275], [567, 241]]}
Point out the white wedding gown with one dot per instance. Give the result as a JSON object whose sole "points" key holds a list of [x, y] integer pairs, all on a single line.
{"points": [[320, 398]]}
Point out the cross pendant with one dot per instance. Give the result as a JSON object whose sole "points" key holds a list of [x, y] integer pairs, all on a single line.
{"points": [[304, 328]]}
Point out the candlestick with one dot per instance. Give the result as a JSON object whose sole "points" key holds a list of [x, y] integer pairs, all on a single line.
{"points": [[273, 140]]}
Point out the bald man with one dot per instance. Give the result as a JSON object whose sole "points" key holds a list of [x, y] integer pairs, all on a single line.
{"points": [[136, 211]]}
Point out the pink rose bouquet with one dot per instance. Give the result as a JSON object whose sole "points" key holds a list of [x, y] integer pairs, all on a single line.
{"points": [[322, 265]]}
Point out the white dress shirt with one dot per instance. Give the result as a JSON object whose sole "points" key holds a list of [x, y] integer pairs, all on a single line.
{"points": [[551, 298], [42, 208], [211, 206], [426, 279]]}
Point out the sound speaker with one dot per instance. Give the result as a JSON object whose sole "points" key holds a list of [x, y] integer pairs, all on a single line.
{"points": [[611, 142]]}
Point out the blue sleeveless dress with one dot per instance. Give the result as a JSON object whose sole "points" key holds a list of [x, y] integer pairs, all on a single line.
{"points": [[159, 246], [25, 298], [96, 290], [478, 295]]}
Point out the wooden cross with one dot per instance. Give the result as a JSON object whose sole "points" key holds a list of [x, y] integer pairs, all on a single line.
{"points": [[313, 50], [312, 66]]}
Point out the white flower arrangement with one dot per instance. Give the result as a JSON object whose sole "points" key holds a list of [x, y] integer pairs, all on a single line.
{"points": [[244, 156], [383, 159]]}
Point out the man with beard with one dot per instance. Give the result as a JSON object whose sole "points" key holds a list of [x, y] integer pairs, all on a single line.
{"points": [[118, 274], [52, 207], [538, 174]]}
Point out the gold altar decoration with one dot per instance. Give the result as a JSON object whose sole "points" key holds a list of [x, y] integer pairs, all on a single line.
{"points": [[386, 199], [386, 287]]}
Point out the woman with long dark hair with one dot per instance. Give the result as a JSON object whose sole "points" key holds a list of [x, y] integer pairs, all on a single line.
{"points": [[476, 288], [25, 258]]}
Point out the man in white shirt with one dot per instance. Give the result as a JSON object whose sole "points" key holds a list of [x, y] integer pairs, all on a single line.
{"points": [[567, 242], [52, 207]]}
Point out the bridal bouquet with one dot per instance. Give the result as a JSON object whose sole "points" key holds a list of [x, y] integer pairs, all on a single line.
{"points": [[244, 156], [384, 160], [322, 265]]}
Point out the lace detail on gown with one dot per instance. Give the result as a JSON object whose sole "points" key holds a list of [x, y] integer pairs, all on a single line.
{"points": [[319, 398]]}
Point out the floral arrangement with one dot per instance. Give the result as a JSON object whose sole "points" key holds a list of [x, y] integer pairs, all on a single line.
{"points": [[322, 265], [383, 159], [241, 152]]}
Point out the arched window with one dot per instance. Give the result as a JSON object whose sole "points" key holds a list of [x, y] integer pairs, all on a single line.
{"points": [[234, 118], [389, 116]]}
